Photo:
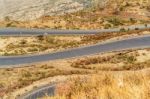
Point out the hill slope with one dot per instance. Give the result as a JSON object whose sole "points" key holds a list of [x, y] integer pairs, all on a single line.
{"points": [[32, 9]]}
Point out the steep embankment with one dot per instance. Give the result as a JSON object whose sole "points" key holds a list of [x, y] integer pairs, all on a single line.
{"points": [[32, 9]]}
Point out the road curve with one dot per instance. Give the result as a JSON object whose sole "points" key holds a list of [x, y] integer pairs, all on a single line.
{"points": [[130, 43], [35, 32], [47, 90]]}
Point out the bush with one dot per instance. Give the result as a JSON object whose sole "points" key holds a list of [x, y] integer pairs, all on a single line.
{"points": [[32, 49], [22, 42], [122, 30], [107, 26], [136, 28], [115, 21], [40, 37]]}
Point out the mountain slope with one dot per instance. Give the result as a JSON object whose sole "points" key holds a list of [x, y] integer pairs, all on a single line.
{"points": [[32, 9]]}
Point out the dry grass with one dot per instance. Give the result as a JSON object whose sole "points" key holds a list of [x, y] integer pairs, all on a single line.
{"points": [[29, 45], [107, 36], [43, 44], [109, 84], [16, 78], [129, 60], [115, 72], [106, 85], [93, 18], [13, 79]]}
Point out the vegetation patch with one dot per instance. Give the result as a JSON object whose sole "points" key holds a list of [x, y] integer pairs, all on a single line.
{"points": [[105, 85]]}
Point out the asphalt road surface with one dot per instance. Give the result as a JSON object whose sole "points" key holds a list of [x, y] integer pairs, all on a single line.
{"points": [[35, 32], [48, 90], [130, 43]]}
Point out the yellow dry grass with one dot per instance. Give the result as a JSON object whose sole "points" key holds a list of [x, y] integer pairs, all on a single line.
{"points": [[15, 79], [107, 85]]}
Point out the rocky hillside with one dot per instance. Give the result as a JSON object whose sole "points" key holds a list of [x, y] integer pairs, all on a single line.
{"points": [[31, 9]]}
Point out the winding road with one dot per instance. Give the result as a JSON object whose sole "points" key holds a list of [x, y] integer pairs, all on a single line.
{"points": [[48, 90], [11, 61], [124, 44], [130, 43]]}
